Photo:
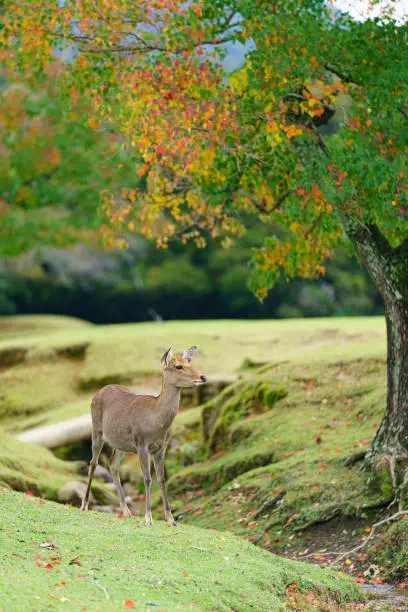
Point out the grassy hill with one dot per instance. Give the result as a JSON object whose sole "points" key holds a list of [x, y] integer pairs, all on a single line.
{"points": [[55, 557], [275, 458]]}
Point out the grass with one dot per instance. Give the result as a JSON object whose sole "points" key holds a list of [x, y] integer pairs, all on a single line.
{"points": [[290, 458], [54, 557], [136, 349], [23, 325], [268, 463], [49, 380], [30, 391]]}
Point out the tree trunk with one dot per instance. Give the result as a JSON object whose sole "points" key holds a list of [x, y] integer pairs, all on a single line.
{"points": [[392, 436], [388, 267]]}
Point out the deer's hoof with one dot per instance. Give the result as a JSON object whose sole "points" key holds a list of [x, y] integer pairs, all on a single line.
{"points": [[84, 507], [148, 521], [127, 513], [171, 522]]}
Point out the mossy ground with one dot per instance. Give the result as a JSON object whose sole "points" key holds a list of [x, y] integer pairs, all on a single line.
{"points": [[27, 467], [304, 489], [274, 467], [54, 557]]}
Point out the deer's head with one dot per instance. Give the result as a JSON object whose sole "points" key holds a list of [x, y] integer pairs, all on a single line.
{"points": [[178, 371]]}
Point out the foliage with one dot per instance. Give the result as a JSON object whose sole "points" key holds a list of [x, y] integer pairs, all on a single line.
{"points": [[216, 149], [53, 167]]}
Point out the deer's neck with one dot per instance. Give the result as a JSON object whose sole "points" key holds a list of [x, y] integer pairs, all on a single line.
{"points": [[168, 403]]}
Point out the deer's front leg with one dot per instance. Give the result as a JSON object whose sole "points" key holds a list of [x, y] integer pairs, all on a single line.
{"points": [[144, 460], [158, 460]]}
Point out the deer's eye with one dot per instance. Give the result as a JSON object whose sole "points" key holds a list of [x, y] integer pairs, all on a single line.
{"points": [[179, 367]]}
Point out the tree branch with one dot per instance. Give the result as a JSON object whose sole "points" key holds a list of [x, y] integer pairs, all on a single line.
{"points": [[375, 252], [342, 75], [261, 206]]}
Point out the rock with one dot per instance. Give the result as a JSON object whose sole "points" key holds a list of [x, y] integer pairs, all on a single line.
{"points": [[129, 489], [73, 493], [106, 509], [102, 473], [111, 486], [125, 472]]}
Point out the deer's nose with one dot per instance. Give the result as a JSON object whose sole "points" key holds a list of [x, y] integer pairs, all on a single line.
{"points": [[203, 378]]}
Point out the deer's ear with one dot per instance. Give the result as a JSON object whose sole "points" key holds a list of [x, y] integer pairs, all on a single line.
{"points": [[167, 357], [189, 353]]}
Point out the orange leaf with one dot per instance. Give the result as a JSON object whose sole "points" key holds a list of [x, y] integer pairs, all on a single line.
{"points": [[128, 604]]}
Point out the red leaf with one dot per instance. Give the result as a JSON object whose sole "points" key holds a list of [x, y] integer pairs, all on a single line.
{"points": [[128, 604], [318, 439], [310, 596], [49, 566], [30, 493], [198, 512], [186, 575], [38, 556], [121, 516]]}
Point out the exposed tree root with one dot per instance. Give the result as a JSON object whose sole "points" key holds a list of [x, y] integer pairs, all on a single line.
{"points": [[400, 495], [270, 503], [370, 536], [356, 458], [324, 518]]}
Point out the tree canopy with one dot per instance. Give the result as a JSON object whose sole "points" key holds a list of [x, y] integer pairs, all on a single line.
{"points": [[53, 167], [219, 148]]}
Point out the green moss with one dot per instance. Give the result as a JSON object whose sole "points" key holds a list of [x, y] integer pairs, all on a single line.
{"points": [[26, 467], [292, 457], [249, 397], [29, 389], [160, 567], [391, 552]]}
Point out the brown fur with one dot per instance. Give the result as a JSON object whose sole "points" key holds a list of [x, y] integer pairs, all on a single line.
{"points": [[140, 424]]}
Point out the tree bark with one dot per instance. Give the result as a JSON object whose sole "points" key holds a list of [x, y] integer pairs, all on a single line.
{"points": [[388, 267], [392, 436]]}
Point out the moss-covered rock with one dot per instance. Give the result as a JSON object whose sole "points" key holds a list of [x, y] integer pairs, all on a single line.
{"points": [[246, 397], [25, 467], [391, 552]]}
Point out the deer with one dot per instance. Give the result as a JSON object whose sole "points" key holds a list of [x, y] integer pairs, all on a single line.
{"points": [[141, 424]]}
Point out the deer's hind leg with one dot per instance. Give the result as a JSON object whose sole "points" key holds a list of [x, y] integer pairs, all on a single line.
{"points": [[115, 460], [158, 460], [97, 444], [144, 460]]}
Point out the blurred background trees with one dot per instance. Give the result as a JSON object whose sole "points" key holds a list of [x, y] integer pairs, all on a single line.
{"points": [[54, 167]]}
